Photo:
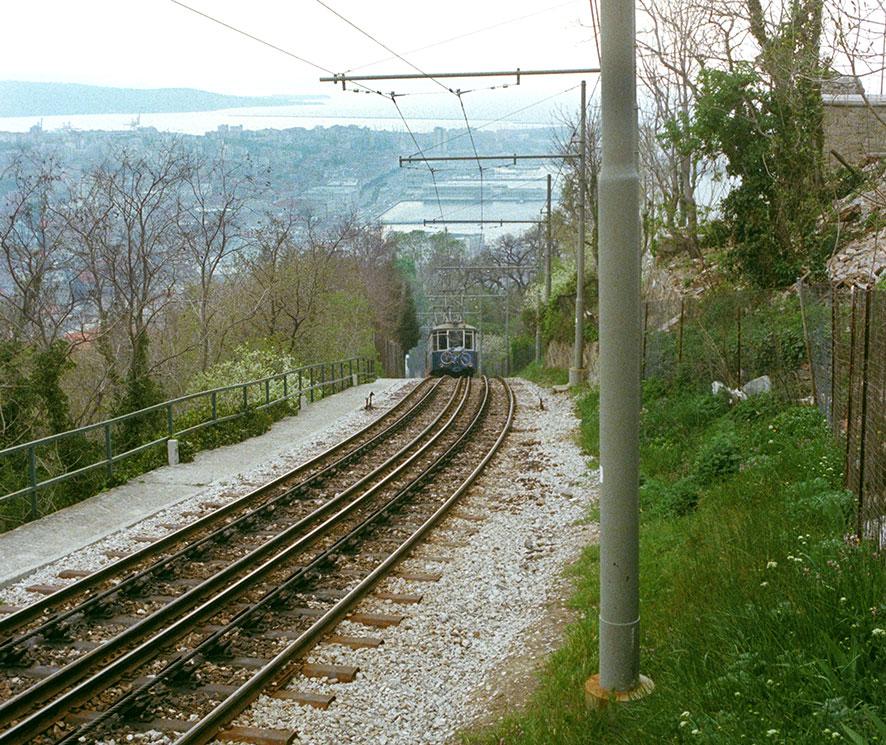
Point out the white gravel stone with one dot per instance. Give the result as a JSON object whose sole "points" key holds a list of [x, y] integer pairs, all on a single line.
{"points": [[437, 669], [93, 556]]}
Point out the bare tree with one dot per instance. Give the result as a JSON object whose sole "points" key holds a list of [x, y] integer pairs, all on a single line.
{"points": [[673, 48], [36, 295], [127, 223], [516, 259], [212, 224], [289, 266]]}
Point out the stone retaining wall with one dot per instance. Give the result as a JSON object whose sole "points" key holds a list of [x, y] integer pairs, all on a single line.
{"points": [[851, 127]]}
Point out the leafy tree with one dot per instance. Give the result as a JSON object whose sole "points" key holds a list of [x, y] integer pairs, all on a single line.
{"points": [[408, 329], [764, 119]]}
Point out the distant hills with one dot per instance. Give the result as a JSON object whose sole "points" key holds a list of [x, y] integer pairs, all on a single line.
{"points": [[48, 99]]}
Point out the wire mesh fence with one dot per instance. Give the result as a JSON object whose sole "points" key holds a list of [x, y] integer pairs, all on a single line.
{"points": [[817, 344]]}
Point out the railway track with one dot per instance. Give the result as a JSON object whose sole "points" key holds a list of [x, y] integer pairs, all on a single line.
{"points": [[185, 650], [248, 508]]}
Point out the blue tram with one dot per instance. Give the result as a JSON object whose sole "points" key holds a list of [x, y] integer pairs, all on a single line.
{"points": [[452, 349]]}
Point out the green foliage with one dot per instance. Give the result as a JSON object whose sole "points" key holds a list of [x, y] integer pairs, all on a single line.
{"points": [[558, 315], [522, 351], [139, 392], [50, 364], [769, 136], [544, 376], [245, 363], [762, 622], [717, 458], [408, 328]]}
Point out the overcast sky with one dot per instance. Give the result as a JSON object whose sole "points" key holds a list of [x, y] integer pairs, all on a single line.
{"points": [[155, 43]]}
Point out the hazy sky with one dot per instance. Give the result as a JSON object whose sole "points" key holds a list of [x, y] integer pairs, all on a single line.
{"points": [[155, 43]]}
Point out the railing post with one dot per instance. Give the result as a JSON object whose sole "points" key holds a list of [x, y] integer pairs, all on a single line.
{"points": [[832, 418], [32, 477], [267, 391], [643, 351], [341, 376], [213, 398], [109, 451], [169, 424], [849, 401], [680, 335], [866, 347], [285, 388], [311, 373], [738, 345], [807, 342], [245, 399]]}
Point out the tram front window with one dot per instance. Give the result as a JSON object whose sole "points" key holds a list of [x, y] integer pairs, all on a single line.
{"points": [[456, 339]]}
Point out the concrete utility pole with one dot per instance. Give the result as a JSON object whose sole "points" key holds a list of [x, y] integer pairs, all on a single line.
{"points": [[539, 351], [577, 371], [620, 343], [549, 246]]}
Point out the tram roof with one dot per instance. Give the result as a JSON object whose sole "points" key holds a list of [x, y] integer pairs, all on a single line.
{"points": [[453, 325]]}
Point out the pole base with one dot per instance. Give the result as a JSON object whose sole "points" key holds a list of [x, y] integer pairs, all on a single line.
{"points": [[599, 698], [577, 376]]}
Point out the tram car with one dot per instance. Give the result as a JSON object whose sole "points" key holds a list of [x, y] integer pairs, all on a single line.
{"points": [[452, 349]]}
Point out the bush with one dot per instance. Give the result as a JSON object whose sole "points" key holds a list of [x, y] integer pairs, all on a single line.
{"points": [[718, 458]]}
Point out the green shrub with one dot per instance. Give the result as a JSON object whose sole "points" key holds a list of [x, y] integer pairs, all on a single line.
{"points": [[761, 621], [717, 458]]}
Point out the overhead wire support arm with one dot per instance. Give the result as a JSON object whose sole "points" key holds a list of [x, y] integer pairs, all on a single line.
{"points": [[437, 221], [514, 158], [518, 73]]}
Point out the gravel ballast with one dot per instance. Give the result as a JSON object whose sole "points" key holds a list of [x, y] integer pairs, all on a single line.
{"points": [[451, 661], [220, 492], [439, 669]]}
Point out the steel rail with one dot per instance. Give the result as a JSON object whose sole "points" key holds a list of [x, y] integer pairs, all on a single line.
{"points": [[8, 647], [180, 665], [70, 673], [14, 621], [206, 729], [39, 720]]}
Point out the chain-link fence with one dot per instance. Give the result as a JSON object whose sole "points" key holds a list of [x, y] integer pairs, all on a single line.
{"points": [[730, 337], [818, 344], [849, 369]]}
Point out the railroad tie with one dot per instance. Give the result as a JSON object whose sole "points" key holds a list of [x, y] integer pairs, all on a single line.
{"points": [[44, 589], [378, 620], [73, 573], [354, 642], [258, 735], [336, 673], [400, 597], [411, 576], [317, 700]]}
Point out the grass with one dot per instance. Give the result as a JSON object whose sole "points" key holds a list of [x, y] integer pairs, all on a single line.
{"points": [[761, 622], [544, 376]]}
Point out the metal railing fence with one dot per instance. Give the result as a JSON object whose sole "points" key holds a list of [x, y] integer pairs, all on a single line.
{"points": [[209, 407], [818, 343]]}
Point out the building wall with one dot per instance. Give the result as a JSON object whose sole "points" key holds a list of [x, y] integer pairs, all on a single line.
{"points": [[852, 129]]}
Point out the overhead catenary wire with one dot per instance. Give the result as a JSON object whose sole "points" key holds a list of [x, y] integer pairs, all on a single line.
{"points": [[502, 118], [456, 93], [469, 33], [380, 43], [476, 154], [415, 141], [266, 43], [288, 53]]}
